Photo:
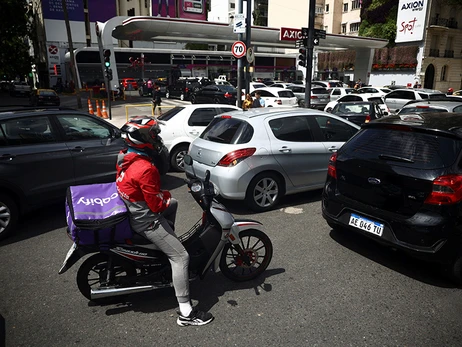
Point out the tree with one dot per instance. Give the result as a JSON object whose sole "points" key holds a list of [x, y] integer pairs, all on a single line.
{"points": [[373, 21], [15, 59]]}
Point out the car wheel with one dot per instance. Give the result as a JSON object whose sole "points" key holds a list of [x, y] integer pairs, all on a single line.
{"points": [[182, 97], [167, 94], [177, 158], [8, 215], [264, 192], [216, 101], [193, 99], [456, 271]]}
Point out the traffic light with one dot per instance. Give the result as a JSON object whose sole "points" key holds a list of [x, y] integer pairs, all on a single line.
{"points": [[302, 57], [107, 57], [109, 74]]}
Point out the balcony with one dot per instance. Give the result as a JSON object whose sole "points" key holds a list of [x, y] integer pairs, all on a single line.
{"points": [[444, 22], [449, 53], [434, 52]]}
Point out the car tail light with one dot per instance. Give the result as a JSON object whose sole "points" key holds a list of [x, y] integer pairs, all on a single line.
{"points": [[186, 90], [233, 158], [225, 117], [228, 96], [331, 169], [446, 190], [278, 101], [314, 97], [368, 119]]}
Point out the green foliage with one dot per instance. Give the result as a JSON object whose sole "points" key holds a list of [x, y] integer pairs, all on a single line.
{"points": [[14, 29], [375, 24]]}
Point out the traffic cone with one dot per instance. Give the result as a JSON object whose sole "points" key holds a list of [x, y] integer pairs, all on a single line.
{"points": [[90, 107], [104, 113], [98, 110]]}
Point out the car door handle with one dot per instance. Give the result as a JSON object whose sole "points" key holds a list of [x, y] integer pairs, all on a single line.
{"points": [[78, 149], [285, 150], [194, 132], [7, 156], [332, 149]]}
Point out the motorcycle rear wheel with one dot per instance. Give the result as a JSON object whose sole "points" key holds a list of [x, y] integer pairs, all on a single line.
{"points": [[93, 272], [257, 246]]}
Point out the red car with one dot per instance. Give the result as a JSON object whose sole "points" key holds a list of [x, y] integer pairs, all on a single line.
{"points": [[127, 82]]}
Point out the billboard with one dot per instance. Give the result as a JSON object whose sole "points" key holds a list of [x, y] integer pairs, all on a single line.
{"points": [[410, 24], [186, 9], [98, 10]]}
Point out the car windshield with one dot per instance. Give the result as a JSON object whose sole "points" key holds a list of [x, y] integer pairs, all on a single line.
{"points": [[47, 93], [228, 130], [319, 91], [170, 113], [359, 109], [286, 94], [377, 100], [416, 109]]}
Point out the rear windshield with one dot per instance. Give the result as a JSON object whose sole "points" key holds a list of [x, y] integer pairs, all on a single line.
{"points": [[170, 114], [227, 88], [286, 94], [409, 110], [403, 148], [377, 100], [228, 130], [47, 93], [319, 91]]}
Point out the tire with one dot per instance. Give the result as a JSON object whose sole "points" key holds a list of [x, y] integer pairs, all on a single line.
{"points": [[257, 245], [264, 192], [456, 271], [177, 157], [9, 214], [94, 270], [216, 101], [167, 94], [182, 97]]}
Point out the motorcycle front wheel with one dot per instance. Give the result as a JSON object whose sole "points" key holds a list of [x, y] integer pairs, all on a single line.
{"points": [[259, 250], [93, 272]]}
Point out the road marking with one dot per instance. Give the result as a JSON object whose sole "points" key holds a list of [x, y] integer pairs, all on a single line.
{"points": [[292, 210]]}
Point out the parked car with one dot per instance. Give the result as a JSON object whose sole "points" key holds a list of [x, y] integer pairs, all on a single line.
{"points": [[328, 84], [20, 88], [373, 90], [182, 88], [214, 94], [443, 104], [338, 92], [262, 154], [43, 97], [129, 84], [396, 99], [359, 97], [280, 85], [277, 97], [318, 99], [407, 193], [45, 151], [358, 112], [182, 124]]}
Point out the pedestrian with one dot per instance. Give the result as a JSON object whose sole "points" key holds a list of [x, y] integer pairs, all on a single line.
{"points": [[247, 102], [256, 102], [358, 84], [149, 86], [156, 100]]}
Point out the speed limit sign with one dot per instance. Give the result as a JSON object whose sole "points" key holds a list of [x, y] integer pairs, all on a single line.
{"points": [[238, 49]]}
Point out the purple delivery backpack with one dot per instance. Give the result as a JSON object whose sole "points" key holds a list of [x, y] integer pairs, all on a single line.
{"points": [[97, 215]]}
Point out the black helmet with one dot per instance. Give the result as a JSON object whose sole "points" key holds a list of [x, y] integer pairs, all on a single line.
{"points": [[142, 133]]}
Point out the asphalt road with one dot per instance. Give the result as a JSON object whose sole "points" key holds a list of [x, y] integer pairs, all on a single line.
{"points": [[322, 288]]}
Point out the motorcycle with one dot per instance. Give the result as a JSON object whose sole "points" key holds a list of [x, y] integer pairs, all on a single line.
{"points": [[238, 247]]}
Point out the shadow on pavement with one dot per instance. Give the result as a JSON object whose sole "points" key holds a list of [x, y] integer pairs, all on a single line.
{"points": [[429, 273], [207, 292]]}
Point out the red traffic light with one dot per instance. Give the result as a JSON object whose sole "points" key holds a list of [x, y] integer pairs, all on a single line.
{"points": [[302, 51]]}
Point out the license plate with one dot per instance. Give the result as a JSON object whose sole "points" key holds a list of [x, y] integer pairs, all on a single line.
{"points": [[323, 100], [68, 255], [365, 224]]}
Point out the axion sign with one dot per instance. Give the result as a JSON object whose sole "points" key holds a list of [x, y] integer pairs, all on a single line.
{"points": [[290, 34], [53, 49]]}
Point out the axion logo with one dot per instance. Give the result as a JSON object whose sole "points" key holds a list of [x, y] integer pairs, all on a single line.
{"points": [[97, 201], [414, 6], [289, 34]]}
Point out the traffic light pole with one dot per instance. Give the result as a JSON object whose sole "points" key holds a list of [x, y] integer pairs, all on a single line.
{"points": [[309, 53], [240, 71]]}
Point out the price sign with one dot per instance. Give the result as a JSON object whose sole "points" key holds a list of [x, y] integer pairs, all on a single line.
{"points": [[238, 49]]}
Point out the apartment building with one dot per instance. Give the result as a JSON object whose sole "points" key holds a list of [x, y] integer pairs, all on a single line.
{"points": [[342, 16]]}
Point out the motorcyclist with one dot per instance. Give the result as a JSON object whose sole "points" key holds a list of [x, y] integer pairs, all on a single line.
{"points": [[151, 209]]}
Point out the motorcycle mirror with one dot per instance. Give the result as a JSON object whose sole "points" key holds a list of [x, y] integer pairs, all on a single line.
{"points": [[188, 159], [207, 176]]}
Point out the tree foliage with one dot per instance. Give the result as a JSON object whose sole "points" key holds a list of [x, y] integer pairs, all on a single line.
{"points": [[378, 19], [14, 29]]}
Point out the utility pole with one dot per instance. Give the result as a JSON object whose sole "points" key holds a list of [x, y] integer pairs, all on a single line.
{"points": [[248, 43], [240, 4], [71, 52], [309, 55]]}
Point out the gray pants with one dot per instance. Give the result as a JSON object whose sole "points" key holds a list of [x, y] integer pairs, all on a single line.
{"points": [[163, 236]]}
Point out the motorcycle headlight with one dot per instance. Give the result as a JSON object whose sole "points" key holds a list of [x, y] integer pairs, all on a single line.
{"points": [[196, 187]]}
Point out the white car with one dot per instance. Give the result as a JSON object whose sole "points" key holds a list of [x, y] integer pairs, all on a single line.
{"points": [[252, 87], [338, 92], [182, 124], [373, 90], [277, 97], [280, 85], [360, 97]]}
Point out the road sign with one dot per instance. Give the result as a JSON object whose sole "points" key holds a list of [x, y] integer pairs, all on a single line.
{"points": [[320, 34], [239, 23], [238, 49], [315, 42], [250, 55]]}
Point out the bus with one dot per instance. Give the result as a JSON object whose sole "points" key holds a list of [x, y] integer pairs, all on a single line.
{"points": [[171, 64]]}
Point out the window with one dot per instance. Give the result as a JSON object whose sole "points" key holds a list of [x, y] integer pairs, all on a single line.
{"points": [[319, 10], [343, 28], [293, 129], [202, 117], [131, 12], [355, 4], [345, 7], [335, 130], [444, 72], [26, 131], [327, 8], [354, 27], [228, 130], [78, 127]]}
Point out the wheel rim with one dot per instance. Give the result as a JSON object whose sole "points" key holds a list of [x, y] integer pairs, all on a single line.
{"points": [[182, 97], [266, 192], [5, 217], [179, 159], [98, 274], [167, 95], [255, 250]]}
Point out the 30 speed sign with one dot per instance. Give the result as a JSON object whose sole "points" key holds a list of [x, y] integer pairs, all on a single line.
{"points": [[238, 49]]}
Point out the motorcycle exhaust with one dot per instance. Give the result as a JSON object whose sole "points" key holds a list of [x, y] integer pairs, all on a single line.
{"points": [[109, 292]]}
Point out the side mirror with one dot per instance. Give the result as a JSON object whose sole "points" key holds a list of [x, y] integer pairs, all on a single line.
{"points": [[188, 159]]}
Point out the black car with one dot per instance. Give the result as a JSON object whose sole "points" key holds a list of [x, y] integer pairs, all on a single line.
{"points": [[358, 112], [215, 94], [44, 97], [399, 182], [182, 88], [44, 151]]}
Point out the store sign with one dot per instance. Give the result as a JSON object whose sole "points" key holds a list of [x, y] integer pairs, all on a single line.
{"points": [[290, 34], [410, 24]]}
